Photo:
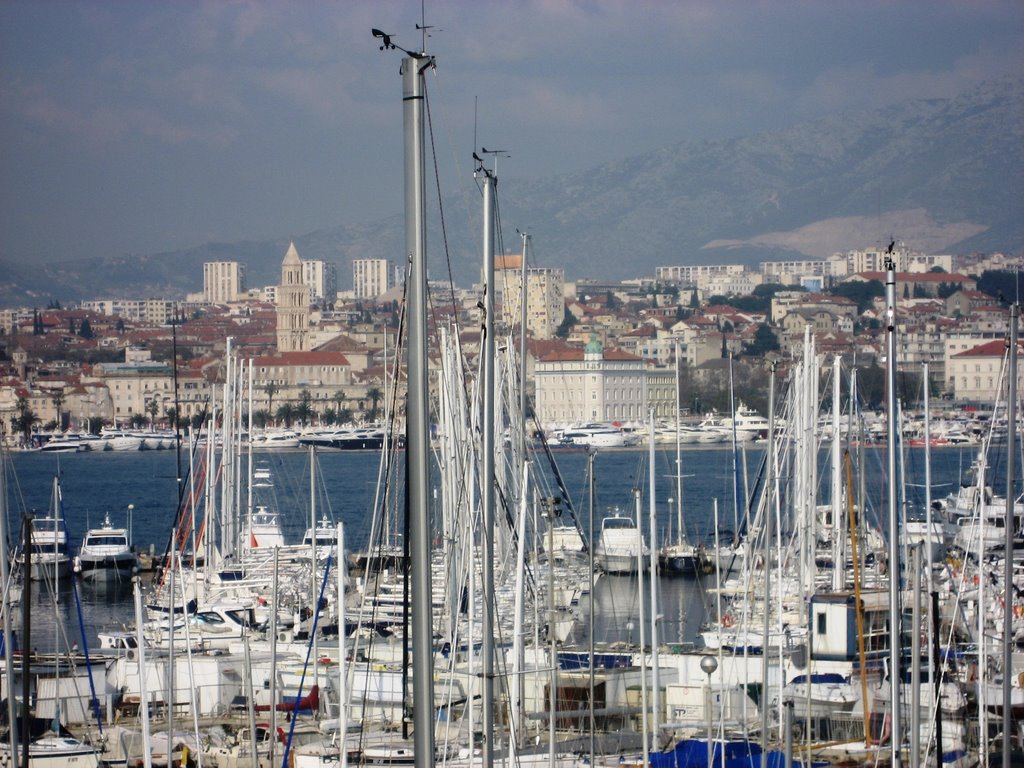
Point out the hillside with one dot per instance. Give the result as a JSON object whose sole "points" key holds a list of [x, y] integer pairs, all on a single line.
{"points": [[942, 175]]}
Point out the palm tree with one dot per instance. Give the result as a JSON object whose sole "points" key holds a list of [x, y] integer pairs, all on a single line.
{"points": [[25, 419], [271, 389], [344, 416], [338, 398], [152, 408], [58, 403], [286, 413], [304, 410], [375, 396]]}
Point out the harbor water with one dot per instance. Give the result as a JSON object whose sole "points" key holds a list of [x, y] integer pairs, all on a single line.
{"points": [[94, 484]]}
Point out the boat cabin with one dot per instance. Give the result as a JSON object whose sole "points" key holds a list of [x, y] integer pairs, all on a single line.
{"points": [[832, 634]]}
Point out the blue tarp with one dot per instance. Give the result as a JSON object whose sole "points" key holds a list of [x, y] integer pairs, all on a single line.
{"points": [[693, 753]]}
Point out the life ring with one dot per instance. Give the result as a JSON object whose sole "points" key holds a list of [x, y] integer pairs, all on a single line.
{"points": [[325, 660], [727, 620]]}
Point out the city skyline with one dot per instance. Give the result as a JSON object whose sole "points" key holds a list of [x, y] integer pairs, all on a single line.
{"points": [[162, 126]]}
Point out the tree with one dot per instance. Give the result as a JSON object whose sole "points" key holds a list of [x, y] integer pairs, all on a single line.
{"points": [[58, 403], [344, 416], [1002, 284], [261, 418], [119, 326], [304, 409], [862, 292], [25, 419], [375, 396], [286, 413], [565, 327], [85, 331], [338, 398], [610, 302], [152, 408], [271, 389], [764, 341], [138, 420]]}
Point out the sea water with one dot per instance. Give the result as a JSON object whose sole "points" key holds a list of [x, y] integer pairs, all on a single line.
{"points": [[94, 484]]}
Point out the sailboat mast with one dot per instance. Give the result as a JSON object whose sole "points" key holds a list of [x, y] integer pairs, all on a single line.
{"points": [[1009, 528], [653, 513], [895, 674], [417, 436], [487, 489], [8, 604]]}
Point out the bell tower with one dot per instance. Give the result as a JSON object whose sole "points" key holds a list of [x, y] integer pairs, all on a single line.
{"points": [[292, 305]]}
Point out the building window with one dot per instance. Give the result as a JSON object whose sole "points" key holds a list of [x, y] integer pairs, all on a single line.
{"points": [[822, 625]]}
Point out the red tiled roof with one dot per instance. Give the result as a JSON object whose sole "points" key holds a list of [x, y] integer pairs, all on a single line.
{"points": [[994, 348], [919, 277]]}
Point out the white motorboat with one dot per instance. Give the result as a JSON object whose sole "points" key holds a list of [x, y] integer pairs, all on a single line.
{"points": [[262, 530], [326, 535], [597, 436], [749, 424], [276, 440], [62, 443], [49, 544], [121, 440], [106, 555], [621, 546], [52, 750]]}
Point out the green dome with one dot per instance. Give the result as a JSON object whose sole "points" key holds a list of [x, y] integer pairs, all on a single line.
{"points": [[594, 346]]}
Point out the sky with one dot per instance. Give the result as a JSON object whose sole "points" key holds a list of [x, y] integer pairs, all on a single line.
{"points": [[143, 127]]}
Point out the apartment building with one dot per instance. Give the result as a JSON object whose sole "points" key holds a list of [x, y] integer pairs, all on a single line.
{"points": [[545, 307], [370, 278], [223, 281], [321, 277], [698, 275], [142, 311]]}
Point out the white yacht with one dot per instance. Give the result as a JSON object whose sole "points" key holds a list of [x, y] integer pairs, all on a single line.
{"points": [[262, 530], [597, 436], [106, 555], [326, 535], [621, 545], [49, 547], [750, 425]]}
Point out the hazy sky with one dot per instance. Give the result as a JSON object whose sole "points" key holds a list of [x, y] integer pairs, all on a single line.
{"points": [[137, 127]]}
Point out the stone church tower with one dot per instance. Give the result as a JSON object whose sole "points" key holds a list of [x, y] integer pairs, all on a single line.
{"points": [[292, 305]]}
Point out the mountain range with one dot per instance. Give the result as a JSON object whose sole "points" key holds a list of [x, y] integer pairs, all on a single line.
{"points": [[941, 175]]}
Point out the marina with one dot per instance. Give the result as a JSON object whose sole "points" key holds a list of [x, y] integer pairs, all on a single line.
{"points": [[687, 607]]}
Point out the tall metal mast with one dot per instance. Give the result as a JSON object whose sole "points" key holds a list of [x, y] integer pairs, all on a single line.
{"points": [[417, 454], [417, 424], [487, 482], [1010, 525], [892, 433]]}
